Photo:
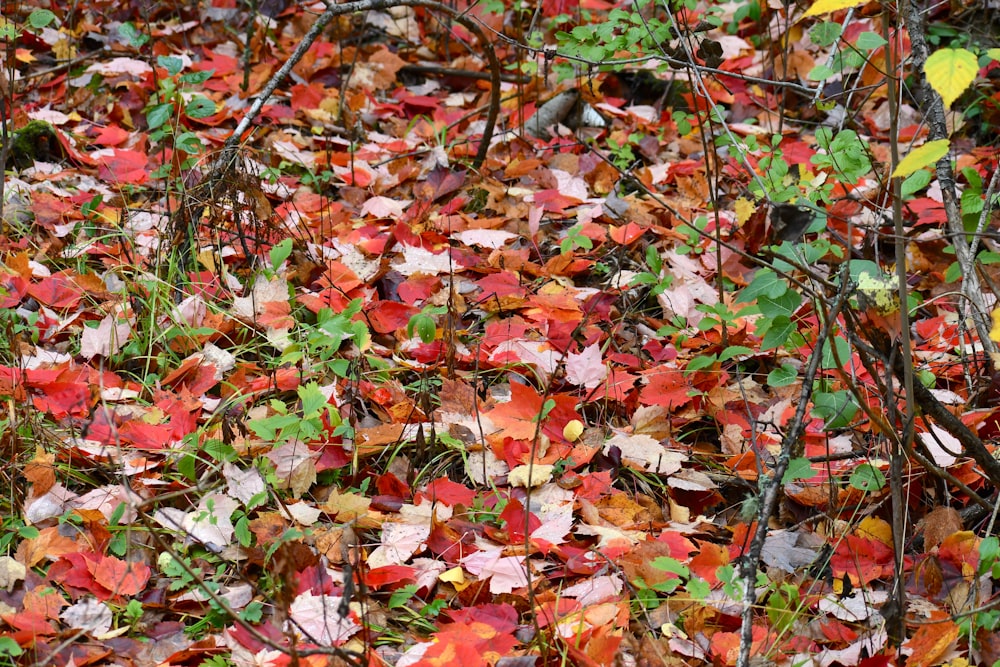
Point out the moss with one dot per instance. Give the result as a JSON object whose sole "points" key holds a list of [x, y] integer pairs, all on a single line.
{"points": [[35, 141]]}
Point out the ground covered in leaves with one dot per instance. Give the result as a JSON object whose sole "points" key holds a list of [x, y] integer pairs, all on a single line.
{"points": [[351, 398]]}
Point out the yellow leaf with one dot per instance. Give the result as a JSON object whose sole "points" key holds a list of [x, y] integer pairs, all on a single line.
{"points": [[878, 293], [950, 72], [573, 430], [921, 157], [744, 208], [455, 575], [874, 528], [827, 6], [995, 331]]}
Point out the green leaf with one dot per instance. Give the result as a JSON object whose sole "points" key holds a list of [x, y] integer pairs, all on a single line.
{"points": [[919, 158], [172, 64], [734, 351], [401, 596], [10, 647], [28, 532], [700, 362], [199, 107], [425, 327], [869, 41], [219, 450], [131, 35], [825, 34], [989, 553], [280, 252], [196, 78], [779, 332], [914, 183], [158, 114], [836, 408], [242, 531], [189, 142], [253, 612], [765, 283], [186, 466], [785, 304], [668, 564], [697, 588], [843, 350], [40, 18], [820, 73], [867, 477], [782, 377], [799, 468], [950, 72], [828, 6], [313, 400]]}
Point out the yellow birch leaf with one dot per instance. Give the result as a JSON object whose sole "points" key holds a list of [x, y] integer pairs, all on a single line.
{"points": [[921, 157], [950, 72]]}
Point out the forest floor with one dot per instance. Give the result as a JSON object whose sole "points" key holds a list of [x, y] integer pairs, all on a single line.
{"points": [[375, 388]]}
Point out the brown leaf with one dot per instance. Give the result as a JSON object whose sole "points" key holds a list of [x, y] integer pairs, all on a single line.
{"points": [[939, 524], [40, 471]]}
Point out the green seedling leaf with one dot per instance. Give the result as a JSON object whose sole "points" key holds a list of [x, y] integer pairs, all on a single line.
{"points": [[922, 157], [781, 329], [187, 467], [734, 351], [700, 362], [131, 35], [40, 18], [867, 477], [820, 73], [172, 64], [280, 252], [188, 142], [782, 377], [914, 183], [825, 33], [400, 597], [10, 647], [950, 72], [835, 408], [196, 78], [869, 41], [158, 114], [799, 468], [199, 107]]}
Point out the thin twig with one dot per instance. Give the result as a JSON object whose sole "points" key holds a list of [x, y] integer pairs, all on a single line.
{"points": [[771, 491]]}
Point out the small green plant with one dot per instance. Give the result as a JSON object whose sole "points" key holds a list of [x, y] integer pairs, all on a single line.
{"points": [[37, 19], [175, 101], [306, 424], [784, 606], [623, 154], [424, 324], [653, 276], [575, 239], [695, 234], [323, 340], [14, 527]]}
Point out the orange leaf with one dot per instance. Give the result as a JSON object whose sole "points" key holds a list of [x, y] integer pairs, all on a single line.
{"points": [[121, 577], [931, 641]]}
